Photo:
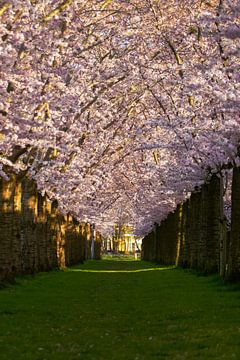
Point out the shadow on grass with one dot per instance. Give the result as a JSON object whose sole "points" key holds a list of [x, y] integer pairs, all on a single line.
{"points": [[213, 280], [112, 266]]}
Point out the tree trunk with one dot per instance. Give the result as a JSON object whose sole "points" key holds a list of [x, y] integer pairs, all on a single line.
{"points": [[214, 217], [233, 271]]}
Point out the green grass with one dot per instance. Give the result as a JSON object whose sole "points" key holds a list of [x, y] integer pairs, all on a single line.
{"points": [[119, 310], [120, 257]]}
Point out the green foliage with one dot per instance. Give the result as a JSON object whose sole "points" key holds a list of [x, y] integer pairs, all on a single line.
{"points": [[146, 313]]}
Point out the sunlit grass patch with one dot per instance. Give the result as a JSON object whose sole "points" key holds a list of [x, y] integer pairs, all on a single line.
{"points": [[119, 257], [122, 271]]}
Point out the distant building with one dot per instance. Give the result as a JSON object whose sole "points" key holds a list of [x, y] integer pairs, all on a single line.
{"points": [[123, 241]]}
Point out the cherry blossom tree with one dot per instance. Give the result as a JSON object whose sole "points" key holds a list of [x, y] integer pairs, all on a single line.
{"points": [[120, 104]]}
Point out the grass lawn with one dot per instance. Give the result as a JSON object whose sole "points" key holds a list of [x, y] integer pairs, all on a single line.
{"points": [[119, 310]]}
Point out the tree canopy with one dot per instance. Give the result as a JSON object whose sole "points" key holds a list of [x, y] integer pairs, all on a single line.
{"points": [[119, 108]]}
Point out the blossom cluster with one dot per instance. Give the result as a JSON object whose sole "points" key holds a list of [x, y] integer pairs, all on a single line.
{"points": [[119, 108]]}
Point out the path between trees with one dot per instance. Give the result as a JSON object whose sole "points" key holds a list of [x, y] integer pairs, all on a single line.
{"points": [[119, 310]]}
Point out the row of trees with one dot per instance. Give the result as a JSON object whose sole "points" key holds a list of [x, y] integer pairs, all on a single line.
{"points": [[119, 104], [34, 235], [196, 235]]}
